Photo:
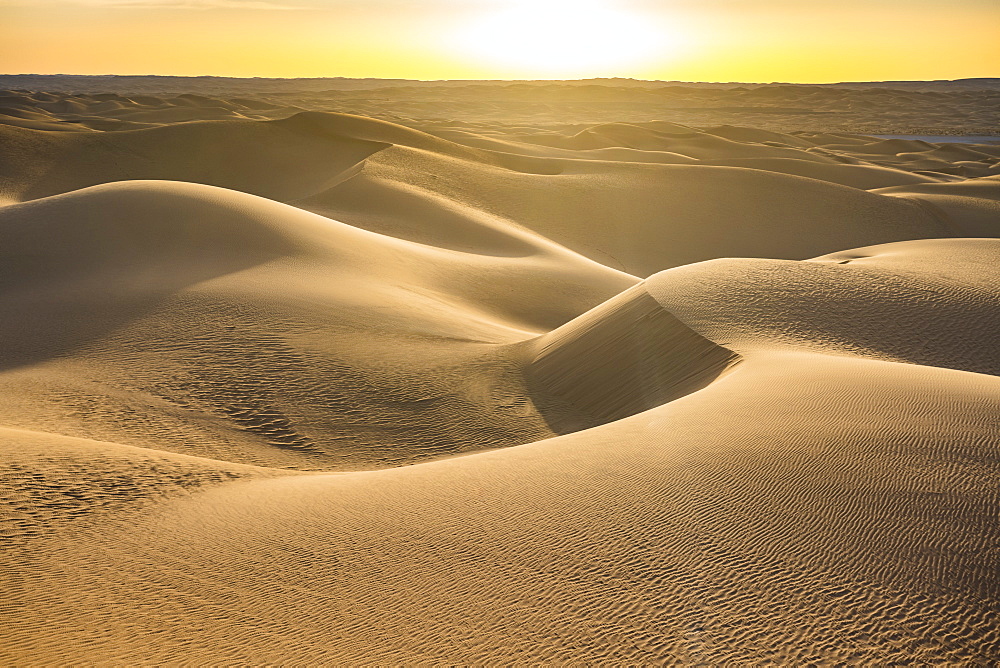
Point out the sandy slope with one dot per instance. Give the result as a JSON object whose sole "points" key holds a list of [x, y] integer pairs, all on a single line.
{"points": [[970, 107], [241, 359], [224, 324]]}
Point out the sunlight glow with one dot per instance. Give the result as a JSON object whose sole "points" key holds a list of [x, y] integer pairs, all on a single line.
{"points": [[813, 41], [566, 37]]}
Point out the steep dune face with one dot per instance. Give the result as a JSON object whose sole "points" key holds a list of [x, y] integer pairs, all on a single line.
{"points": [[233, 398], [247, 330], [625, 356], [801, 509], [899, 302]]}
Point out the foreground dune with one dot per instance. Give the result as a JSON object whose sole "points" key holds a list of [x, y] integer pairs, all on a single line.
{"points": [[331, 390]]}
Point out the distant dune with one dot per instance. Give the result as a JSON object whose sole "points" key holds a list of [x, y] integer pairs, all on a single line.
{"points": [[86, 83], [962, 107], [286, 386]]}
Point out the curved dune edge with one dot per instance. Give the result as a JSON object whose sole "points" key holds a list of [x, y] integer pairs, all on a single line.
{"points": [[745, 508], [515, 453], [199, 320], [929, 302], [791, 196], [623, 357]]}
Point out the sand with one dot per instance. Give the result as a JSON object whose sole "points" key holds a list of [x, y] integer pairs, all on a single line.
{"points": [[928, 108], [287, 387]]}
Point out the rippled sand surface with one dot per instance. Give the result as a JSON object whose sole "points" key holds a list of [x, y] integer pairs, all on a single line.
{"points": [[295, 387]]}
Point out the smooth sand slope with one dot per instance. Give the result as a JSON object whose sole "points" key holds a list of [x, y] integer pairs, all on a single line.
{"points": [[331, 390]]}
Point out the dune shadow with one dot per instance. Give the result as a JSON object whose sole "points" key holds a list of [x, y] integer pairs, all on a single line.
{"points": [[75, 268], [621, 358]]}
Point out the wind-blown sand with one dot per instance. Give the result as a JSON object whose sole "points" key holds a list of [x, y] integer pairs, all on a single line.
{"points": [[315, 388]]}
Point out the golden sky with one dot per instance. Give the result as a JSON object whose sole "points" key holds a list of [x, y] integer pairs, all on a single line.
{"points": [[688, 40]]}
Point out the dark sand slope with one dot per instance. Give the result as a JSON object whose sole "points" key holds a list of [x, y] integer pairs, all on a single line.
{"points": [[241, 359], [807, 506], [226, 325]]}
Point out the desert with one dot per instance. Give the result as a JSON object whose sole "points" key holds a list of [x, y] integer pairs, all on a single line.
{"points": [[350, 372]]}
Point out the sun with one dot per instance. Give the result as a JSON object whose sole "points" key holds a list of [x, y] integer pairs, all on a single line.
{"points": [[565, 37]]}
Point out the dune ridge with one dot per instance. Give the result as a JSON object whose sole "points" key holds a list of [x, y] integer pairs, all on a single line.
{"points": [[281, 385], [966, 107], [623, 357]]}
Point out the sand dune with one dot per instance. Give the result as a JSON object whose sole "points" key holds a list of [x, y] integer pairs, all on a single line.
{"points": [[282, 386], [623, 357], [967, 107], [251, 321], [975, 202]]}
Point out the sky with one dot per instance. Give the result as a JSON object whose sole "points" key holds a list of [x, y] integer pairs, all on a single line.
{"points": [[687, 40]]}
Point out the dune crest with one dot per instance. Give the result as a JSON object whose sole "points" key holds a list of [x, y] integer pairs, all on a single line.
{"points": [[546, 382], [625, 356]]}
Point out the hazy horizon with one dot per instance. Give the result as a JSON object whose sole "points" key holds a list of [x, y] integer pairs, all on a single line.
{"points": [[714, 41], [496, 80]]}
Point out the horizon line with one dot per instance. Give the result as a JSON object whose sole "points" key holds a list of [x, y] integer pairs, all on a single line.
{"points": [[554, 80]]}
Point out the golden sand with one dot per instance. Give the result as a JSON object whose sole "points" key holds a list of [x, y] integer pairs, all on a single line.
{"points": [[324, 389]]}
